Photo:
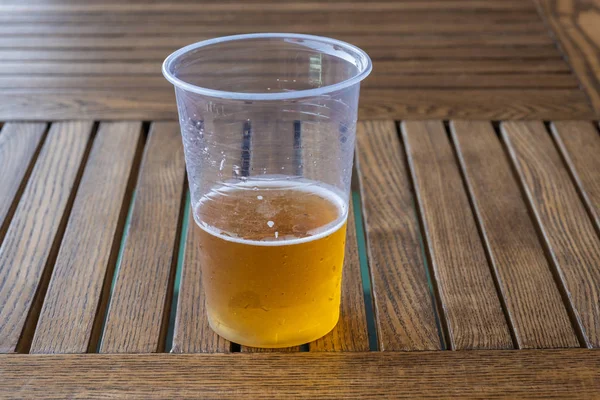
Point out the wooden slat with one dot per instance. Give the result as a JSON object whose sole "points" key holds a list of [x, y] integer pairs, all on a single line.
{"points": [[82, 83], [556, 104], [156, 53], [404, 309], [525, 374], [140, 304], [576, 26], [187, 7], [363, 40], [466, 288], [350, 333], [18, 145], [74, 306], [579, 144], [565, 225], [221, 69], [293, 22], [32, 239], [192, 334], [533, 302]]}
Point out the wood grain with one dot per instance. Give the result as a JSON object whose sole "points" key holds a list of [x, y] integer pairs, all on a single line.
{"points": [[543, 51], [32, 239], [579, 144], [130, 104], [140, 304], [224, 69], [192, 334], [405, 315], [68, 60], [576, 25], [19, 143], [422, 80], [76, 299], [350, 333], [572, 243], [467, 294], [524, 374], [534, 305]]}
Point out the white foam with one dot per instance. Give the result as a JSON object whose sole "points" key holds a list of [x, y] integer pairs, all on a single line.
{"points": [[306, 186]]}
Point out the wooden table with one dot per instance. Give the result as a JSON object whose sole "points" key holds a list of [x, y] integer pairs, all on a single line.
{"points": [[473, 258]]}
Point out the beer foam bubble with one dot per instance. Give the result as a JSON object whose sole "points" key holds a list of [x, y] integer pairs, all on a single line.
{"points": [[307, 186]]}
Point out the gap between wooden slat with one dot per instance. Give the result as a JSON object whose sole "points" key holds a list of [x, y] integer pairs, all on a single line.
{"points": [[180, 258], [364, 269]]}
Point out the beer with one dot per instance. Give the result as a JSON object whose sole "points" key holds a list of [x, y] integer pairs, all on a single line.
{"points": [[271, 259]]}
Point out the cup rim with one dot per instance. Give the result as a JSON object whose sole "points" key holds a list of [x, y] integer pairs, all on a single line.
{"points": [[362, 74]]}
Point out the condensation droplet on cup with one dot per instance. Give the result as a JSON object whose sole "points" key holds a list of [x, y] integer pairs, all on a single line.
{"points": [[276, 234], [222, 165], [270, 223], [259, 197]]}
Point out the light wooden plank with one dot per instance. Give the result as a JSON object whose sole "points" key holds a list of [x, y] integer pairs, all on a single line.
{"points": [[74, 306], [18, 145], [404, 308], [533, 302], [192, 334], [524, 374], [139, 308], [579, 144], [466, 287], [29, 249], [350, 333], [563, 221]]}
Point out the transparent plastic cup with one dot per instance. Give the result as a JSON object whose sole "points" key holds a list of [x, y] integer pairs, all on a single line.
{"points": [[268, 124]]}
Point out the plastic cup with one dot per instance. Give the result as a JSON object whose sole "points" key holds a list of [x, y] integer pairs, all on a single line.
{"points": [[268, 124]]}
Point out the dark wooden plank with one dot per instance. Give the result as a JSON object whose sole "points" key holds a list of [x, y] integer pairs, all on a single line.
{"points": [[563, 221], [139, 308], [74, 305], [579, 144], [556, 104], [534, 305], [576, 25], [405, 315], [32, 239], [18, 145], [466, 288], [350, 333], [192, 334], [525, 374]]}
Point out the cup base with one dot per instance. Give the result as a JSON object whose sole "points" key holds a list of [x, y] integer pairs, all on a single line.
{"points": [[306, 336]]}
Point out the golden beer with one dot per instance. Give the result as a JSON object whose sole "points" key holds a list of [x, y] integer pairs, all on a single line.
{"points": [[271, 259]]}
